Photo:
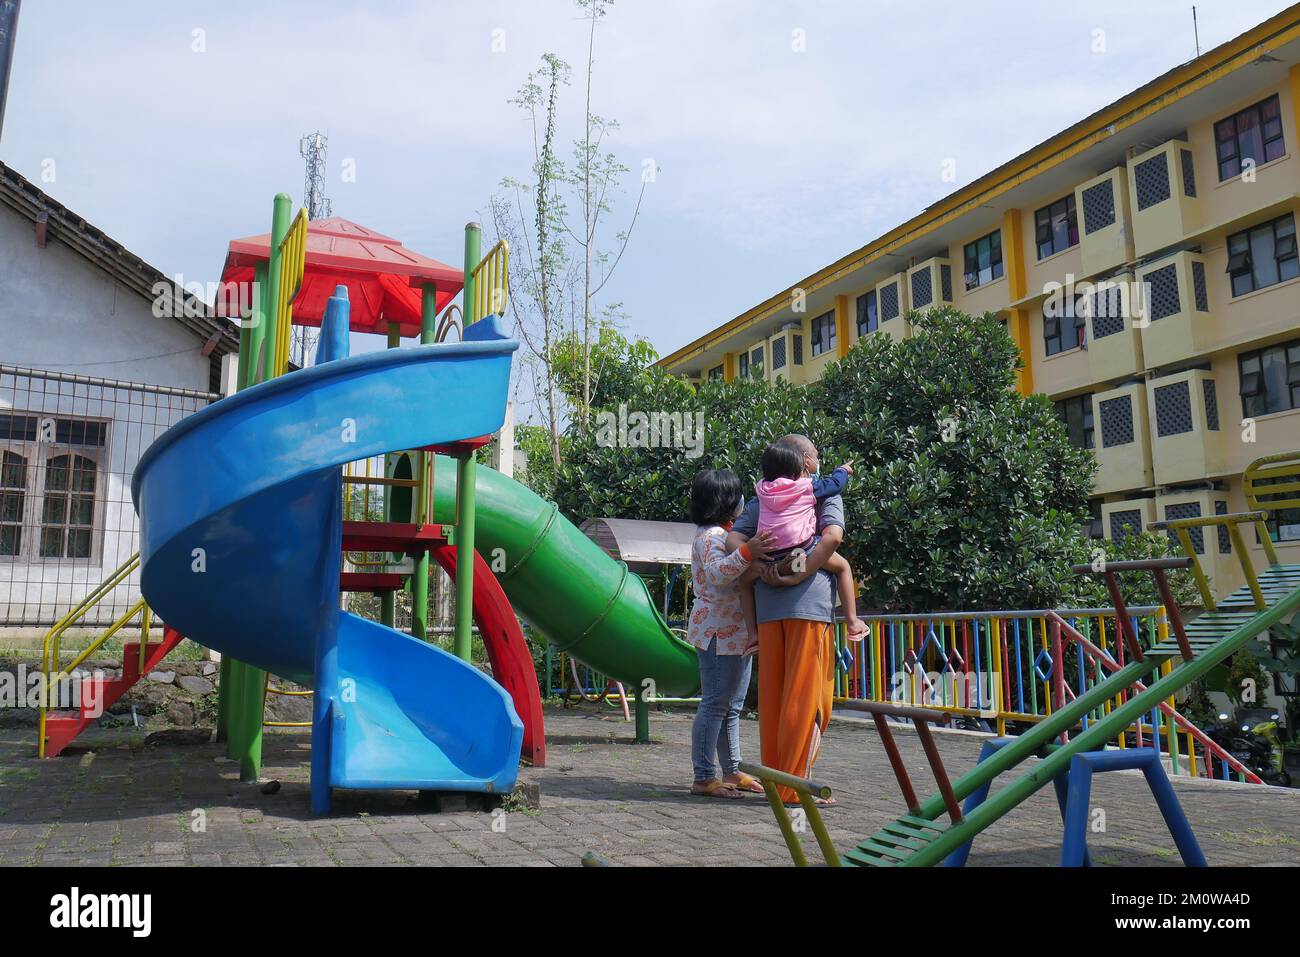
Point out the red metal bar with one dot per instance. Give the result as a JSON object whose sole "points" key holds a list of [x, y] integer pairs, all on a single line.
{"points": [[896, 761], [369, 581], [940, 773], [1171, 609], [391, 536], [1058, 671], [1106, 661], [1121, 615]]}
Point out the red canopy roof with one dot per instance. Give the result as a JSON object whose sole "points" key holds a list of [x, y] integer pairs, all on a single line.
{"points": [[383, 277]]}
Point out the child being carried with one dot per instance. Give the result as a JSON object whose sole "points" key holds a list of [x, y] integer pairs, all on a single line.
{"points": [[788, 512]]}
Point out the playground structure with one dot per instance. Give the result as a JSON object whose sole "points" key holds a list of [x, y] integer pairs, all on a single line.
{"points": [[1266, 605], [244, 529]]}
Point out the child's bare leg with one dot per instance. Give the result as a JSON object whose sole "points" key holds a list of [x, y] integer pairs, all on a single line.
{"points": [[839, 566]]}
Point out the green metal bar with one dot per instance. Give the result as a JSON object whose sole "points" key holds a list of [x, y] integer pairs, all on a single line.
{"points": [[466, 483], [223, 702], [420, 578], [246, 702], [642, 716], [280, 219], [819, 828], [1096, 736], [250, 360], [783, 822], [388, 599], [465, 476]]}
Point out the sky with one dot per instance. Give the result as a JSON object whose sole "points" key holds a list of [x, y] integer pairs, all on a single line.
{"points": [[784, 134]]}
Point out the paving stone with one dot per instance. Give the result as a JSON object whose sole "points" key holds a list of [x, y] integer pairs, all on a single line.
{"points": [[628, 804]]}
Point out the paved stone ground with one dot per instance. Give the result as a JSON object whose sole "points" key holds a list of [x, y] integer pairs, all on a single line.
{"points": [[111, 802]]}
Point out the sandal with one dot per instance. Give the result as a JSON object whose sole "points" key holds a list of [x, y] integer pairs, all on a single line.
{"points": [[745, 782], [715, 789]]}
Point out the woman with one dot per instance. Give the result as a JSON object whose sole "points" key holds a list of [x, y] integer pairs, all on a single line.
{"points": [[717, 630]]}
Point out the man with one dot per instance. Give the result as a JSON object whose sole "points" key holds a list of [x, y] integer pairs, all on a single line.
{"points": [[796, 637]]}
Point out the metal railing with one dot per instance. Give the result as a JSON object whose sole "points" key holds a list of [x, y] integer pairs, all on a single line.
{"points": [[293, 263], [1000, 668], [491, 283], [53, 672], [69, 445]]}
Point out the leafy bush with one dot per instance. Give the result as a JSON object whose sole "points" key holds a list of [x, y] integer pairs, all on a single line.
{"points": [[966, 494]]}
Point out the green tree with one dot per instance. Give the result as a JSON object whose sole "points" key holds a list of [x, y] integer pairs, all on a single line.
{"points": [[966, 495], [738, 419]]}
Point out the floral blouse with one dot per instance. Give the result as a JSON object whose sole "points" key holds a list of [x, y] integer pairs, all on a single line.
{"points": [[717, 609]]}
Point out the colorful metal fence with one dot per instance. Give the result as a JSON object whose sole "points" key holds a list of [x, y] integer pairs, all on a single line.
{"points": [[1003, 669]]}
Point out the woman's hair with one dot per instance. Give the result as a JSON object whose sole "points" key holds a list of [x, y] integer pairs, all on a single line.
{"points": [[714, 496], [781, 460]]}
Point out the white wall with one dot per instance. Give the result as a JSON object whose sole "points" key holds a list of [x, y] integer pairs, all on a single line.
{"points": [[60, 313]]}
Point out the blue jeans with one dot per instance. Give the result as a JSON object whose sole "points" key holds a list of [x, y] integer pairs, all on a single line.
{"points": [[724, 680]]}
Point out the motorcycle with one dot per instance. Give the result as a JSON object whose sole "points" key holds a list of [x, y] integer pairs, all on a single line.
{"points": [[1251, 737]]}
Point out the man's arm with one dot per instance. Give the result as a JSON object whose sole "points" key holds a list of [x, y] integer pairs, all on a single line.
{"points": [[830, 524], [825, 548], [745, 527]]}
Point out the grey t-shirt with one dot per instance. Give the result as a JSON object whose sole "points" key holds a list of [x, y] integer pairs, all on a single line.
{"points": [[814, 598]]}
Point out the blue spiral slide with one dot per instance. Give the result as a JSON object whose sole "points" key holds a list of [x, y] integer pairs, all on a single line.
{"points": [[241, 521]]}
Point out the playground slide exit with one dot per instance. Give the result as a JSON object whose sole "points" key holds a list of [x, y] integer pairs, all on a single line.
{"points": [[240, 538], [584, 602]]}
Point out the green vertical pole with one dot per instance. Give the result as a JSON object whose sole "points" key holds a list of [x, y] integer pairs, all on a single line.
{"points": [[252, 336], [642, 716], [388, 599], [250, 371], [465, 481], [280, 220], [420, 581], [248, 684]]}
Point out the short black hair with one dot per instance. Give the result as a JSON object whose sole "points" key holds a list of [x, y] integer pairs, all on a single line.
{"points": [[714, 496], [781, 460]]}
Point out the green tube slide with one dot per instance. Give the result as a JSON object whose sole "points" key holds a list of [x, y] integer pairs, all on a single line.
{"points": [[584, 602]]}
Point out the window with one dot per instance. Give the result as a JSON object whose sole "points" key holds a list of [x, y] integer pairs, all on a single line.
{"points": [[984, 260], [742, 365], [1251, 137], [868, 315], [13, 496], [50, 486], [1056, 227], [1094, 527], [715, 373], [823, 333], [1064, 332], [756, 362], [1263, 255], [1270, 379], [1076, 413]]}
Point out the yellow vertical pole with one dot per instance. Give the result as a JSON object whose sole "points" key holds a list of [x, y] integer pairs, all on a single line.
{"points": [[842, 326], [1013, 258]]}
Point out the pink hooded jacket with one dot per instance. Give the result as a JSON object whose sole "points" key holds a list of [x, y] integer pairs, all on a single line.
{"points": [[787, 508]]}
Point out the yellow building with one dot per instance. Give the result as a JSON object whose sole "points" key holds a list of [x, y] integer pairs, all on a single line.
{"points": [[1145, 261]]}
